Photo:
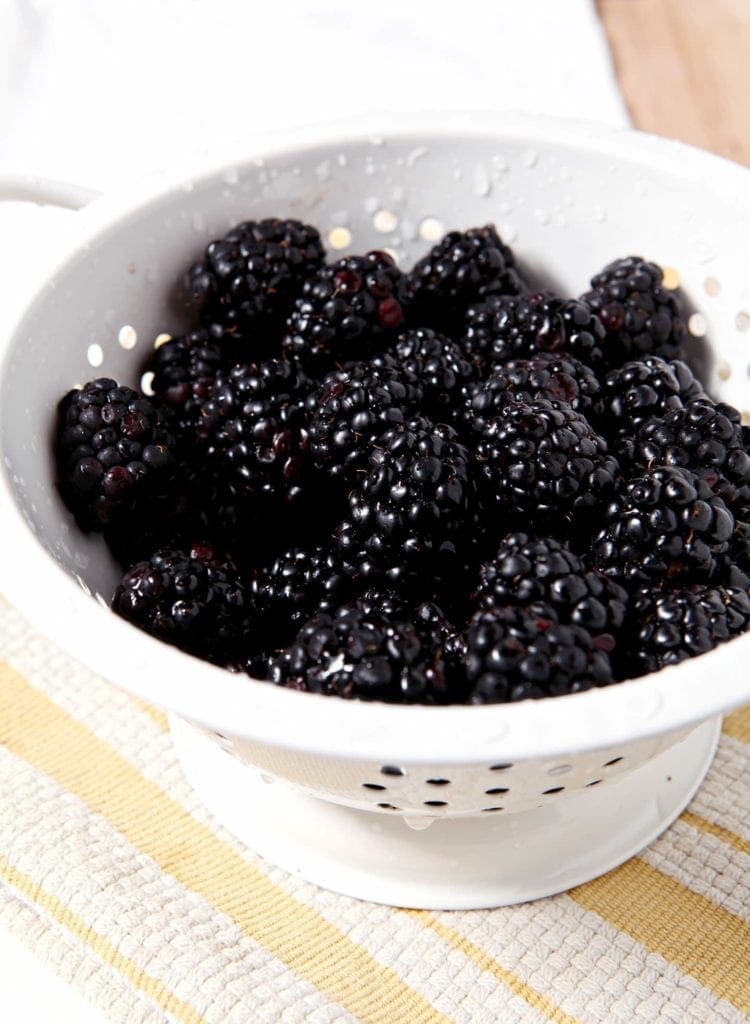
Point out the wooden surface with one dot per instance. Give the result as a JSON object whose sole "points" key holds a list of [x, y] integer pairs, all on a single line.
{"points": [[684, 68]]}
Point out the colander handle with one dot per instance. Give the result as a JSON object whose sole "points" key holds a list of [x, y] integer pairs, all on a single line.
{"points": [[25, 188]]}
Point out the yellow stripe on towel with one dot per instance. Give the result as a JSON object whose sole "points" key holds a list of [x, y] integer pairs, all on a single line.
{"points": [[109, 954], [38, 731], [689, 930]]}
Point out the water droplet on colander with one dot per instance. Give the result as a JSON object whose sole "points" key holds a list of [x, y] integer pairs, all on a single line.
{"points": [[371, 204], [697, 325], [508, 233], [458, 173], [188, 186], [398, 193], [323, 170], [369, 168], [742, 321], [704, 251], [418, 822], [530, 158], [231, 176], [342, 159], [600, 214], [500, 166], [377, 140], [416, 154], [542, 216], [561, 221], [481, 181]]}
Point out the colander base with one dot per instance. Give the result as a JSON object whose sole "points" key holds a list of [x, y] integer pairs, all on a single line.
{"points": [[455, 864]]}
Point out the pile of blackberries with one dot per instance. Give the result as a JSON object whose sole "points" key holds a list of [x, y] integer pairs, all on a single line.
{"points": [[438, 486]]}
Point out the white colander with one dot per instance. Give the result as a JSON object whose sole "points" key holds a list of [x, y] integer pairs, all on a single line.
{"points": [[521, 800]]}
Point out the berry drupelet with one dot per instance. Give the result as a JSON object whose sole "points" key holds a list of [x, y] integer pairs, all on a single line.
{"points": [[674, 624], [246, 281], [190, 599], [252, 433], [113, 452], [506, 327], [462, 269], [359, 651], [528, 569], [517, 653], [445, 375], [353, 408], [641, 317], [413, 506], [347, 311], [542, 459], [666, 524]]}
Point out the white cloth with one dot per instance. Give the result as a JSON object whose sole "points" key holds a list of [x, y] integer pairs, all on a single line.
{"points": [[99, 92]]}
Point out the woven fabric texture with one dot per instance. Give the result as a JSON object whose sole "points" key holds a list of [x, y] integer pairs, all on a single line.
{"points": [[113, 873]]}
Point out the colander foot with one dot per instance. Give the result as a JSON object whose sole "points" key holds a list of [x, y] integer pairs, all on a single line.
{"points": [[458, 863]]}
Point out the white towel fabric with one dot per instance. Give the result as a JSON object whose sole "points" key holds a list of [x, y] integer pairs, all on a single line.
{"points": [[97, 92]]}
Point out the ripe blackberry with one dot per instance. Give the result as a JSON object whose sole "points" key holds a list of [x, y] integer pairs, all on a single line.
{"points": [[529, 569], [640, 316], [347, 311], [675, 624], [246, 281], [184, 370], [519, 327], [362, 653], [703, 437], [638, 391], [113, 451], [413, 506], [353, 408], [462, 269], [666, 524], [543, 459], [189, 599], [519, 653], [560, 379], [444, 373], [297, 584], [253, 429]]}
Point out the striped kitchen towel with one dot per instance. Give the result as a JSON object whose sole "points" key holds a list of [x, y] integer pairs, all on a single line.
{"points": [[112, 872]]}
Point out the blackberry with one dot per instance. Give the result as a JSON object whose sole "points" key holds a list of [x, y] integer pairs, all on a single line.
{"points": [[666, 524], [113, 451], [189, 599], [543, 459], [640, 316], [638, 391], [299, 582], [184, 370], [675, 624], [460, 270], [705, 438], [253, 430], [562, 379], [359, 652], [520, 327], [246, 281], [527, 570], [444, 373], [353, 408], [347, 311], [519, 653], [412, 507]]}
